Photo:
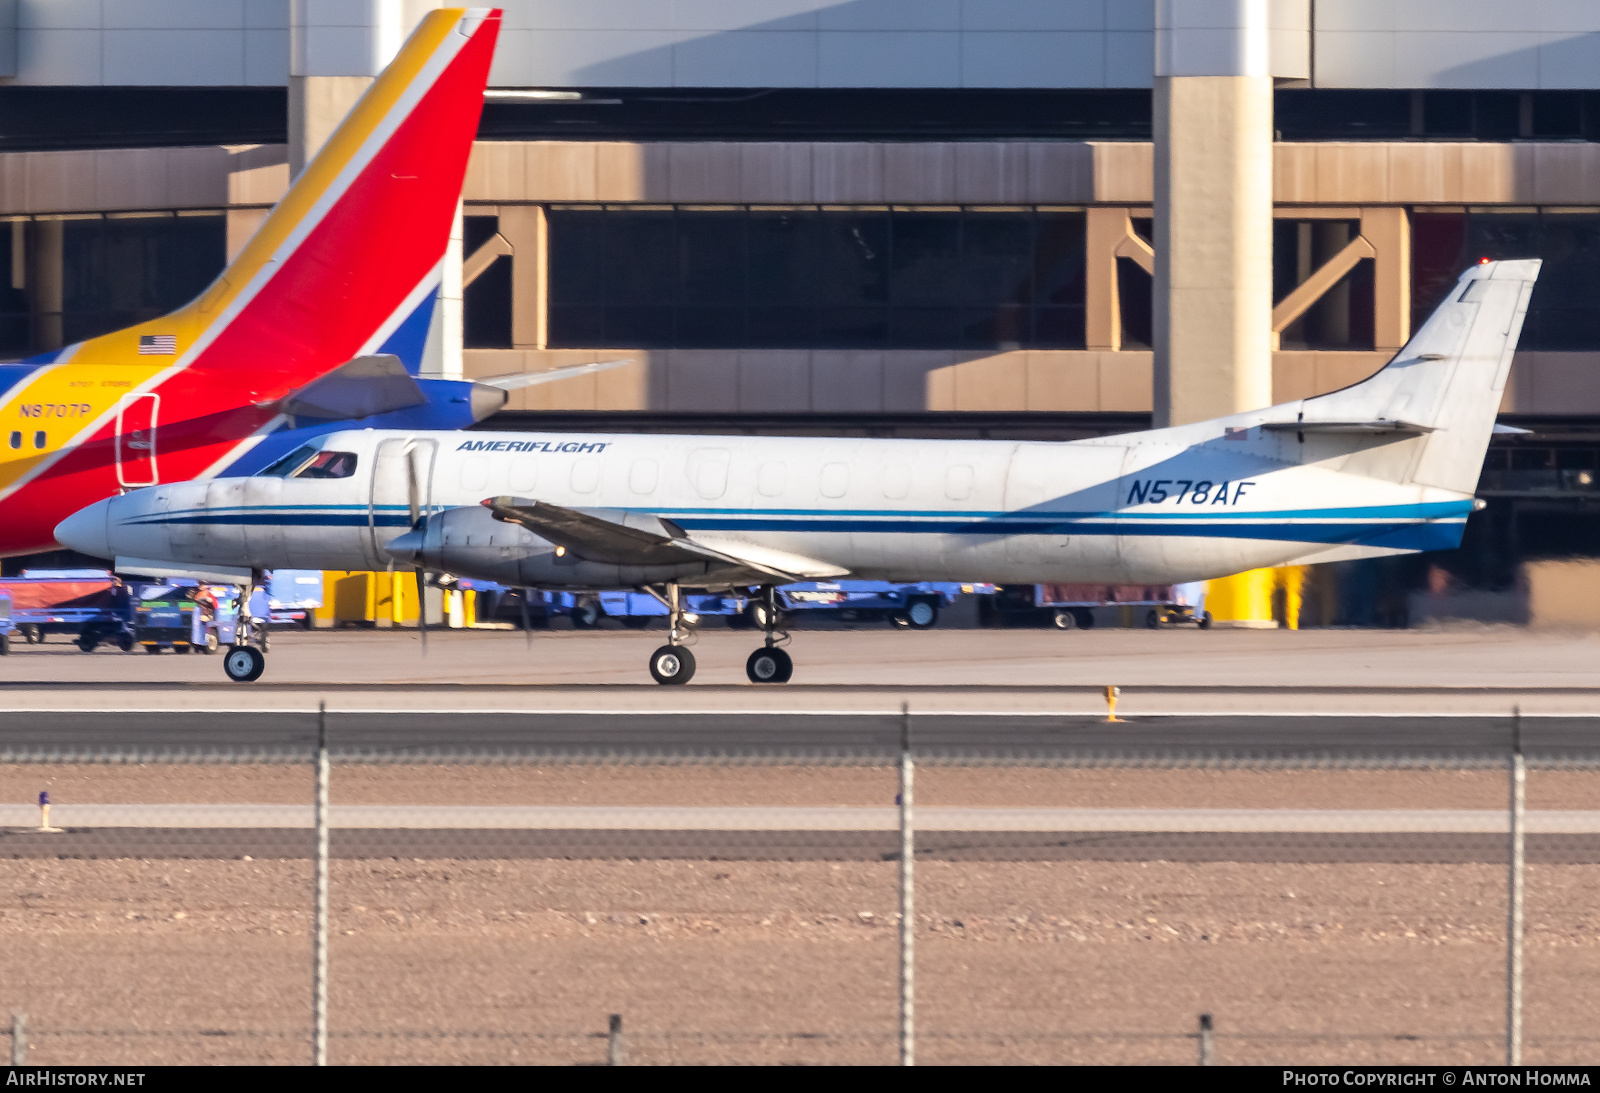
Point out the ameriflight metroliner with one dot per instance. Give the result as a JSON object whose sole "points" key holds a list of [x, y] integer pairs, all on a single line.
{"points": [[320, 319], [1385, 466]]}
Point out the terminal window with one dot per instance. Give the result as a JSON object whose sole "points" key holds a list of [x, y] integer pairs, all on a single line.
{"points": [[824, 278]]}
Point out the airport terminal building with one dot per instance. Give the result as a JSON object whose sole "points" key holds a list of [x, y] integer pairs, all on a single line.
{"points": [[1040, 218]]}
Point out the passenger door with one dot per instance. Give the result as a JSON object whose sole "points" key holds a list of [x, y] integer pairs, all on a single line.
{"points": [[398, 463], [136, 440]]}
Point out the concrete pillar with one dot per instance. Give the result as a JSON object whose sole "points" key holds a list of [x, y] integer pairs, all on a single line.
{"points": [[47, 293], [336, 47], [526, 228], [1213, 209]]}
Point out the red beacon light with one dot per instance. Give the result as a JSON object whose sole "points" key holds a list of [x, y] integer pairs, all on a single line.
{"points": [[1483, 261]]}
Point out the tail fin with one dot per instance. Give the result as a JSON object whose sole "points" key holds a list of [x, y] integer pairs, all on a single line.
{"points": [[1445, 385], [354, 248]]}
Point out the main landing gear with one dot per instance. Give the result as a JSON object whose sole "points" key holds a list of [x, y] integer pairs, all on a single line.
{"points": [[672, 663], [247, 656], [769, 664]]}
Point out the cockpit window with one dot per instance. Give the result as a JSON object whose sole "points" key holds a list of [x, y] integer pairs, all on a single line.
{"points": [[287, 465], [329, 465], [309, 461]]}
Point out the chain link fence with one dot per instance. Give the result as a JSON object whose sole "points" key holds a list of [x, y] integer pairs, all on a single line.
{"points": [[1157, 890]]}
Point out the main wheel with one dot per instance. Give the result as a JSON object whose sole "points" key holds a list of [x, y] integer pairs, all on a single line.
{"points": [[586, 616], [769, 666], [672, 664], [1152, 619], [244, 663], [1064, 620], [921, 614]]}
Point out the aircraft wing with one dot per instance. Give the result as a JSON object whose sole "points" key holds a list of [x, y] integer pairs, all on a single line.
{"points": [[622, 537]]}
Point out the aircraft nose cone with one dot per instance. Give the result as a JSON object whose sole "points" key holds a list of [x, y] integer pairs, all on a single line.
{"points": [[85, 531], [404, 548]]}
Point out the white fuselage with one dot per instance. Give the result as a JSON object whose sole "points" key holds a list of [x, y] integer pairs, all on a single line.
{"points": [[1171, 505]]}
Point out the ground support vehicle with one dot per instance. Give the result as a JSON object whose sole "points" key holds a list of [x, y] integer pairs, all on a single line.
{"points": [[292, 596], [89, 604], [1075, 606], [913, 605]]}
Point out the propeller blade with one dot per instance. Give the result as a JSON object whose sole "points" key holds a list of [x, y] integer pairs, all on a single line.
{"points": [[413, 488], [527, 624], [422, 606]]}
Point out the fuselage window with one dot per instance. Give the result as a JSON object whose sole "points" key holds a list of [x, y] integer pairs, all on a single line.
{"points": [[474, 472], [769, 480], [329, 465], [585, 474], [897, 481], [958, 482], [16, 439], [38, 439], [642, 476], [835, 479]]}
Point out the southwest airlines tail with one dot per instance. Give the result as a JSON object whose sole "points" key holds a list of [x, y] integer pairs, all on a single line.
{"points": [[351, 253]]}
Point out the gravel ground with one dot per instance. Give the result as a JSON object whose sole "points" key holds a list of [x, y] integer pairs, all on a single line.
{"points": [[444, 961]]}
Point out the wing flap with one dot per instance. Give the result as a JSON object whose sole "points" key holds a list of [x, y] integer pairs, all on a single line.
{"points": [[622, 537]]}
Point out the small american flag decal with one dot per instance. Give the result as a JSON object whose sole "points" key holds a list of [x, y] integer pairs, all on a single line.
{"points": [[158, 345]]}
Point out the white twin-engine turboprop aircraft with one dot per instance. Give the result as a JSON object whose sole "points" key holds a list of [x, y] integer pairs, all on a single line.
{"points": [[1386, 466]]}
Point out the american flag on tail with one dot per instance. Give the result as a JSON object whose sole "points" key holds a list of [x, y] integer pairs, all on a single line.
{"points": [[158, 345]]}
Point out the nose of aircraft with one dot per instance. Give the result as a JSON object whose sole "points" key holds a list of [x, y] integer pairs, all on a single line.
{"points": [[86, 530], [405, 548]]}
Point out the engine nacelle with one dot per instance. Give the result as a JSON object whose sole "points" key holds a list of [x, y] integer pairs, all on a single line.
{"points": [[469, 542]]}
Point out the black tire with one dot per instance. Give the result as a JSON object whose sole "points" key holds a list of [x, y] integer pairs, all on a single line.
{"points": [[922, 614], [1064, 620], [672, 664], [769, 666], [210, 645], [244, 663], [152, 648], [125, 642], [1152, 619], [5, 645], [586, 616], [87, 644], [1205, 620], [183, 647], [1085, 618], [31, 635], [636, 622]]}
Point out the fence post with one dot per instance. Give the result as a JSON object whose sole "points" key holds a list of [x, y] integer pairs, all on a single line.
{"points": [[907, 891], [19, 1039], [616, 1053], [1205, 1039], [319, 942], [1519, 801]]}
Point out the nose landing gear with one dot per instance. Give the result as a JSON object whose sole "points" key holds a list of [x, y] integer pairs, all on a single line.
{"points": [[769, 664], [247, 657]]}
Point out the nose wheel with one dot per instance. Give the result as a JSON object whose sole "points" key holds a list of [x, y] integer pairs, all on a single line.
{"points": [[247, 658], [768, 664]]}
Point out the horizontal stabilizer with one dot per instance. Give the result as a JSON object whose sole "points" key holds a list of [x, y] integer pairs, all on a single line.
{"points": [[518, 380], [621, 537], [359, 388], [1404, 428]]}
